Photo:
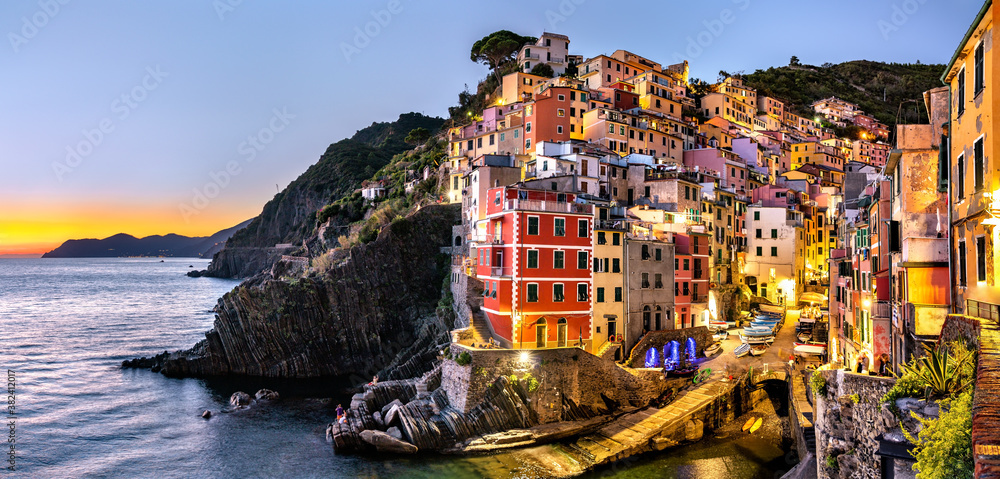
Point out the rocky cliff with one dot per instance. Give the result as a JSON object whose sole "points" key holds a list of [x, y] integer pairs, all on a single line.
{"points": [[290, 217], [374, 312]]}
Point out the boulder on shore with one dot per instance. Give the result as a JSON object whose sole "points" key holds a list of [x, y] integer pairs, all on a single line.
{"points": [[383, 442], [267, 395], [239, 399], [207, 414]]}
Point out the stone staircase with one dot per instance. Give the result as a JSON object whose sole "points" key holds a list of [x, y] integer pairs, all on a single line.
{"points": [[607, 350], [480, 328]]}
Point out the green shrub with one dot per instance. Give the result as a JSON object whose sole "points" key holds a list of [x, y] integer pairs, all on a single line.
{"points": [[855, 398], [817, 383], [463, 359], [831, 462], [907, 386], [944, 445], [945, 370]]}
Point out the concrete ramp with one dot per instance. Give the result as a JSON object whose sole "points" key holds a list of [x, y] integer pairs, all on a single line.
{"points": [[632, 433]]}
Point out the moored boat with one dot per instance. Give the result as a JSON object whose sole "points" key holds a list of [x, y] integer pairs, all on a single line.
{"points": [[712, 349], [809, 348], [742, 350], [758, 349]]}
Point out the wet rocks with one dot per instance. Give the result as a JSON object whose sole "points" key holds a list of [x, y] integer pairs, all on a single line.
{"points": [[266, 395], [206, 414], [239, 399], [384, 442]]}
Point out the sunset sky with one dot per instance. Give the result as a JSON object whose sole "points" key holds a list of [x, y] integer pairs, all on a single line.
{"points": [[118, 116]]}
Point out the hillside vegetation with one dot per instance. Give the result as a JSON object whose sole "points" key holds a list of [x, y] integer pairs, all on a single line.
{"points": [[289, 216], [862, 82]]}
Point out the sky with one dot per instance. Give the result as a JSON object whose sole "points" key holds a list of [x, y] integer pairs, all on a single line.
{"points": [[186, 117]]}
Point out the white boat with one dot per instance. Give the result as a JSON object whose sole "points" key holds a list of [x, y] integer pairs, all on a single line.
{"points": [[712, 349], [720, 336], [756, 339], [758, 349], [809, 348], [742, 350], [758, 331], [718, 325]]}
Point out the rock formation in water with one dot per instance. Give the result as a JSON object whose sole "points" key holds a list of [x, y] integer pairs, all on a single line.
{"points": [[374, 313]]}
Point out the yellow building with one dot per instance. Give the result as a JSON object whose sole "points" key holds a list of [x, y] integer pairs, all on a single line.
{"points": [[975, 181], [609, 281]]}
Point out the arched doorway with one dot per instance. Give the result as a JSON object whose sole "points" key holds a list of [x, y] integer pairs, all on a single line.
{"points": [[458, 241], [658, 316], [541, 333], [645, 318], [561, 332]]}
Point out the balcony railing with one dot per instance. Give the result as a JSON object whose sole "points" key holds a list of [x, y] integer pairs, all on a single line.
{"points": [[882, 309], [533, 56], [503, 271], [620, 225], [550, 206], [699, 298]]}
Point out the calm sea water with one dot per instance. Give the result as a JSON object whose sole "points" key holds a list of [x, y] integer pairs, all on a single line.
{"points": [[66, 325]]}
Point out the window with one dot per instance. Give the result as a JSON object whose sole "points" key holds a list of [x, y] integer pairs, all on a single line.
{"points": [[527, 127], [581, 260], [774, 233], [960, 179], [560, 227], [759, 233], [533, 258], [558, 259], [496, 198], [601, 238], [978, 164], [600, 295], [645, 280], [687, 265], [962, 279], [658, 281], [618, 294], [583, 229], [562, 97], [980, 73], [616, 265], [615, 239], [981, 258], [760, 251], [960, 92], [611, 130], [756, 217], [532, 225], [774, 251], [658, 254], [685, 289], [559, 129], [581, 292], [532, 292], [645, 251], [517, 133], [557, 293]]}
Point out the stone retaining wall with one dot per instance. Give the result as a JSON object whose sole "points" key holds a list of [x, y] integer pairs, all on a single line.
{"points": [[849, 418], [568, 379]]}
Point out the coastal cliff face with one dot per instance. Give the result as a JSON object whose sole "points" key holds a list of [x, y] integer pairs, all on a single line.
{"points": [[375, 312], [290, 217]]}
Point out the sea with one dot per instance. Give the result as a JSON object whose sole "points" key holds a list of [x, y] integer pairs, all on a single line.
{"points": [[67, 324]]}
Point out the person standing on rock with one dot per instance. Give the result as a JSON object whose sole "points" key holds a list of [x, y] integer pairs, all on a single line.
{"points": [[340, 411]]}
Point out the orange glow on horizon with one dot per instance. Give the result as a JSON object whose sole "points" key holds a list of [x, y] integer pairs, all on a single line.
{"points": [[44, 227]]}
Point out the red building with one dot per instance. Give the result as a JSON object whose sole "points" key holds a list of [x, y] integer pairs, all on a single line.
{"points": [[536, 271]]}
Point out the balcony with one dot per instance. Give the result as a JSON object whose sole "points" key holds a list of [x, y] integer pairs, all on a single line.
{"points": [[549, 206], [501, 272], [619, 225], [881, 310], [533, 56], [699, 298]]}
